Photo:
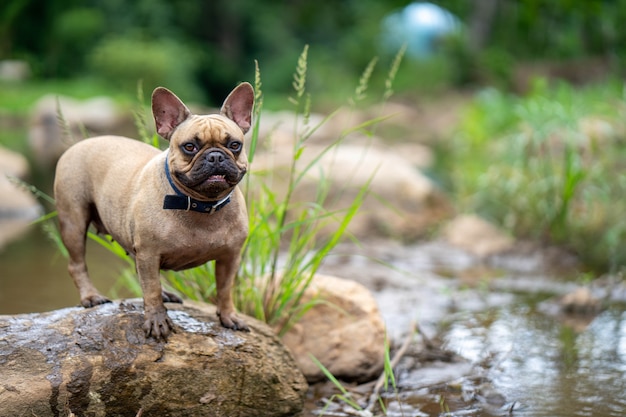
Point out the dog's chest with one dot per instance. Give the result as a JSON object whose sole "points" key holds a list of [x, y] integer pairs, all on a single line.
{"points": [[191, 251], [195, 243], [189, 256]]}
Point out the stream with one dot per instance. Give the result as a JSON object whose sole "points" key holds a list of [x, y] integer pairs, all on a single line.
{"points": [[499, 342], [492, 338]]}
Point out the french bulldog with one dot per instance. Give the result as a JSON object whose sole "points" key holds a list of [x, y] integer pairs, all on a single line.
{"points": [[170, 210]]}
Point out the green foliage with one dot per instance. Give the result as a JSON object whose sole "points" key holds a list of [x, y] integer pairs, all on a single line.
{"points": [[124, 60], [548, 166], [215, 42], [75, 32]]}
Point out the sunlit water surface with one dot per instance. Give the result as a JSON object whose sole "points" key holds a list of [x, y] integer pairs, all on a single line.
{"points": [[544, 367]]}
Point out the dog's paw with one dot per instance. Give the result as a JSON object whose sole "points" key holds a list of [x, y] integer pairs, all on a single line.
{"points": [[231, 321], [170, 297], [158, 325], [94, 300]]}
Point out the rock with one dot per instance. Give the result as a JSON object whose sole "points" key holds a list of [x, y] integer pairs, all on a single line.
{"points": [[401, 203], [13, 164], [477, 236], [598, 131], [580, 301], [13, 70], [279, 125], [18, 207], [426, 121], [345, 332], [48, 139], [97, 362]]}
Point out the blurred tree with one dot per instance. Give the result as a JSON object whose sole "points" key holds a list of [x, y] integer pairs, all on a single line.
{"points": [[220, 38]]}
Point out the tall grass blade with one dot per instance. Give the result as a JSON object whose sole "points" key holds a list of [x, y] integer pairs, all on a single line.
{"points": [[360, 91], [393, 71], [66, 130], [258, 105], [345, 397], [299, 77]]}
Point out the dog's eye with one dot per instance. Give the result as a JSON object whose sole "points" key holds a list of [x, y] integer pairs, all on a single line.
{"points": [[189, 147], [235, 146]]}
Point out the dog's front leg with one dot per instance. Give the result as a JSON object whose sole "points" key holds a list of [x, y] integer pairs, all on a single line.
{"points": [[225, 271], [157, 323]]}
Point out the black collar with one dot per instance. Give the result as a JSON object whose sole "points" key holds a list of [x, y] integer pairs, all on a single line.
{"points": [[181, 201]]}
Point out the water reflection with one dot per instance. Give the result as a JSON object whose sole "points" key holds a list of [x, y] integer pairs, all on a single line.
{"points": [[549, 367], [34, 277]]}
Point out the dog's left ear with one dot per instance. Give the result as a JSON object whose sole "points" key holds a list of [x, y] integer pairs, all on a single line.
{"points": [[238, 106], [168, 111]]}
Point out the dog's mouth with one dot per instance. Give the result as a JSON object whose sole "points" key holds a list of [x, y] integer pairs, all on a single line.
{"points": [[214, 179], [212, 183]]}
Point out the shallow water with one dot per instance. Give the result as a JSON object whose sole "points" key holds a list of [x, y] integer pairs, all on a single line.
{"points": [[545, 367], [34, 277], [504, 345]]}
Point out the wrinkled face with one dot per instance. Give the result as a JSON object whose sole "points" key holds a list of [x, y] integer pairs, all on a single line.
{"points": [[207, 155]]}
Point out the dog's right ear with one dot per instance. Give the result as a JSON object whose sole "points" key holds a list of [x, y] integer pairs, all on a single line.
{"points": [[168, 111]]}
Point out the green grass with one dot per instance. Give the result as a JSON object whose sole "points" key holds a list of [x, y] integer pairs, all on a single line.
{"points": [[547, 166]]}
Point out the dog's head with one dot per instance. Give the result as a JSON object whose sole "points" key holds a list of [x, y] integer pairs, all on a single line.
{"points": [[207, 158]]}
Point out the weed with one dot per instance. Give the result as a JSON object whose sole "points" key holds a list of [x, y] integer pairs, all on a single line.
{"points": [[345, 396], [547, 166]]}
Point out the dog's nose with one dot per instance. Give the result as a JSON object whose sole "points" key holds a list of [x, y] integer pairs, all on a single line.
{"points": [[215, 157]]}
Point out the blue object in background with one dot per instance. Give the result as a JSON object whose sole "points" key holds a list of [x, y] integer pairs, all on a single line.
{"points": [[419, 26]]}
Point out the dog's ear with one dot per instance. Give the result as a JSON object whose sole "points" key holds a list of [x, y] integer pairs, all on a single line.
{"points": [[168, 111], [238, 106]]}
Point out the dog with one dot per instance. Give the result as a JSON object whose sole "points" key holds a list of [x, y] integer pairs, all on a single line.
{"points": [[170, 210]]}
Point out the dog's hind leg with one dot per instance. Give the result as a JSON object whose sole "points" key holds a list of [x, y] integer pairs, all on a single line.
{"points": [[73, 222]]}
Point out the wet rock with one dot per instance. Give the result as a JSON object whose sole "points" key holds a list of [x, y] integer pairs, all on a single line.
{"points": [[97, 362], [345, 332], [18, 207], [49, 139], [477, 236]]}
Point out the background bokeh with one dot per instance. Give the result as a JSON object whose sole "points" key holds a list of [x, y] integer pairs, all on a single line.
{"points": [[201, 48]]}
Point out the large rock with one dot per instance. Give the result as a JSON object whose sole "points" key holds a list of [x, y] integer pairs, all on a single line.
{"points": [[477, 236], [13, 164], [97, 362], [18, 207], [401, 203], [345, 331]]}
